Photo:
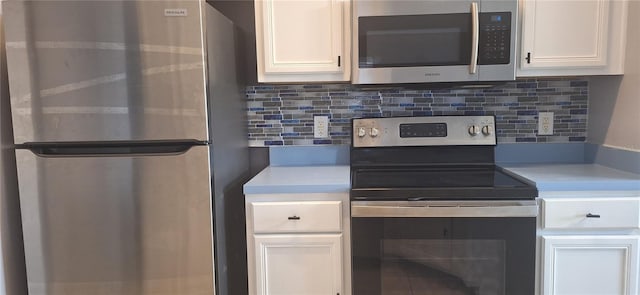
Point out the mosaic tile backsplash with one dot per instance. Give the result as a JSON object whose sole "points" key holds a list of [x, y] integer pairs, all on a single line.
{"points": [[283, 114]]}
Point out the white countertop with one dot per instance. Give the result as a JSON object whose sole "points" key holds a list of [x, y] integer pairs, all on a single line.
{"points": [[546, 177], [300, 179], [576, 177]]}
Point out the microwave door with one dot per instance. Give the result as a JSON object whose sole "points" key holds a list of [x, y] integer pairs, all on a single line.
{"points": [[117, 224], [434, 41], [416, 41]]}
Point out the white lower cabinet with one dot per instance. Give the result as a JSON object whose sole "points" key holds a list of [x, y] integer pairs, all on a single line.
{"points": [[590, 245], [590, 265], [299, 264], [298, 244]]}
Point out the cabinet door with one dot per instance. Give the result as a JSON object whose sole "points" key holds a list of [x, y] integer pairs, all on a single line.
{"points": [[298, 264], [590, 265], [300, 41], [564, 34]]}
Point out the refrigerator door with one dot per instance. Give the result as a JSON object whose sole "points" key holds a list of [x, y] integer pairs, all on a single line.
{"points": [[118, 224], [115, 70]]}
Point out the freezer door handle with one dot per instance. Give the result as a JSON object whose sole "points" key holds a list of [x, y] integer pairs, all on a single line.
{"points": [[110, 148]]}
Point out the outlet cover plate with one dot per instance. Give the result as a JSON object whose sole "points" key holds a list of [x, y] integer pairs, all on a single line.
{"points": [[321, 126], [545, 123]]}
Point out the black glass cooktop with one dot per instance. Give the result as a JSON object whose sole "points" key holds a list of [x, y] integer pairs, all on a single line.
{"points": [[438, 182]]}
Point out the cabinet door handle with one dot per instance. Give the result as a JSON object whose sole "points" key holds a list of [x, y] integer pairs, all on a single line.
{"points": [[589, 215], [294, 217], [528, 58]]}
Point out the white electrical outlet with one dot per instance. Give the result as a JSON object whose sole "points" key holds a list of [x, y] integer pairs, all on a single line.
{"points": [[321, 126], [545, 123]]}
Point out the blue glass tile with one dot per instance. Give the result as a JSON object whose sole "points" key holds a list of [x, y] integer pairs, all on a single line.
{"points": [[272, 117], [339, 133], [525, 139], [273, 142], [322, 141], [342, 102], [290, 121]]}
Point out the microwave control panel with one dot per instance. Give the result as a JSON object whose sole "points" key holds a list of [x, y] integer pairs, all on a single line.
{"points": [[495, 38]]}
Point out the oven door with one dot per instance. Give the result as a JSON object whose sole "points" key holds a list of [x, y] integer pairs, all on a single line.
{"points": [[433, 41], [444, 248]]}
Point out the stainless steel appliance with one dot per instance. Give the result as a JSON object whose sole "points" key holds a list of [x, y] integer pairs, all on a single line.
{"points": [[431, 213], [434, 41], [128, 123]]}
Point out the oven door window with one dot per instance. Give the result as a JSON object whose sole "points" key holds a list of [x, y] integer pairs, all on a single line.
{"points": [[414, 40], [444, 256]]}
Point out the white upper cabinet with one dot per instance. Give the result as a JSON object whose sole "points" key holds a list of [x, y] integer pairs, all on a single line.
{"points": [[303, 41], [568, 37]]}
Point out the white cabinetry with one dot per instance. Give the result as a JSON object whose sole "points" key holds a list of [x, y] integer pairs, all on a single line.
{"points": [[566, 37], [298, 244], [589, 246], [590, 265], [299, 264], [303, 41]]}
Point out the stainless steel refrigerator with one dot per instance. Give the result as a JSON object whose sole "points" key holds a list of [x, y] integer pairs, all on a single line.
{"points": [[128, 120]]}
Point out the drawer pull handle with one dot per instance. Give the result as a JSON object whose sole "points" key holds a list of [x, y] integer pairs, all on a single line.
{"points": [[589, 215], [294, 217]]}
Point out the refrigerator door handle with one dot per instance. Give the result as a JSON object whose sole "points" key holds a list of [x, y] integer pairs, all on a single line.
{"points": [[112, 149]]}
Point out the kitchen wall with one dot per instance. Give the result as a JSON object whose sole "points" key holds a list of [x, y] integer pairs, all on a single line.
{"points": [[12, 272], [614, 106], [283, 114], [241, 12]]}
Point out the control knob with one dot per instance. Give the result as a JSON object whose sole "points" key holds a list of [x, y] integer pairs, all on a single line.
{"points": [[362, 132], [487, 130], [474, 130], [374, 132]]}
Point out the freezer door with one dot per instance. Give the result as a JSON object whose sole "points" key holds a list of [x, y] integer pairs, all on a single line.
{"points": [[106, 70], [126, 225]]}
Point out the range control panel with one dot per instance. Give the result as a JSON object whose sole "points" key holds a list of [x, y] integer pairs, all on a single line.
{"points": [[424, 131]]}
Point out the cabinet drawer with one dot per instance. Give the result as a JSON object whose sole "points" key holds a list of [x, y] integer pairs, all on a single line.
{"points": [[622, 213], [293, 217]]}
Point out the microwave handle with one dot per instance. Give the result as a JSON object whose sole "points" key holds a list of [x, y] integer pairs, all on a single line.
{"points": [[475, 36]]}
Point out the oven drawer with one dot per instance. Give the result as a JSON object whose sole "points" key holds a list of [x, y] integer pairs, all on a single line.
{"points": [[294, 217], [620, 213]]}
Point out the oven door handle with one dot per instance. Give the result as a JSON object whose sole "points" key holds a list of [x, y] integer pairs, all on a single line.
{"points": [[435, 209], [475, 36]]}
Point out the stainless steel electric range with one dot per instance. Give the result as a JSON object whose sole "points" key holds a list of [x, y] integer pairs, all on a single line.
{"points": [[433, 214]]}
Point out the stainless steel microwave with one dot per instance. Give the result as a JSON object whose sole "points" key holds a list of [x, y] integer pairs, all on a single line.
{"points": [[417, 41]]}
